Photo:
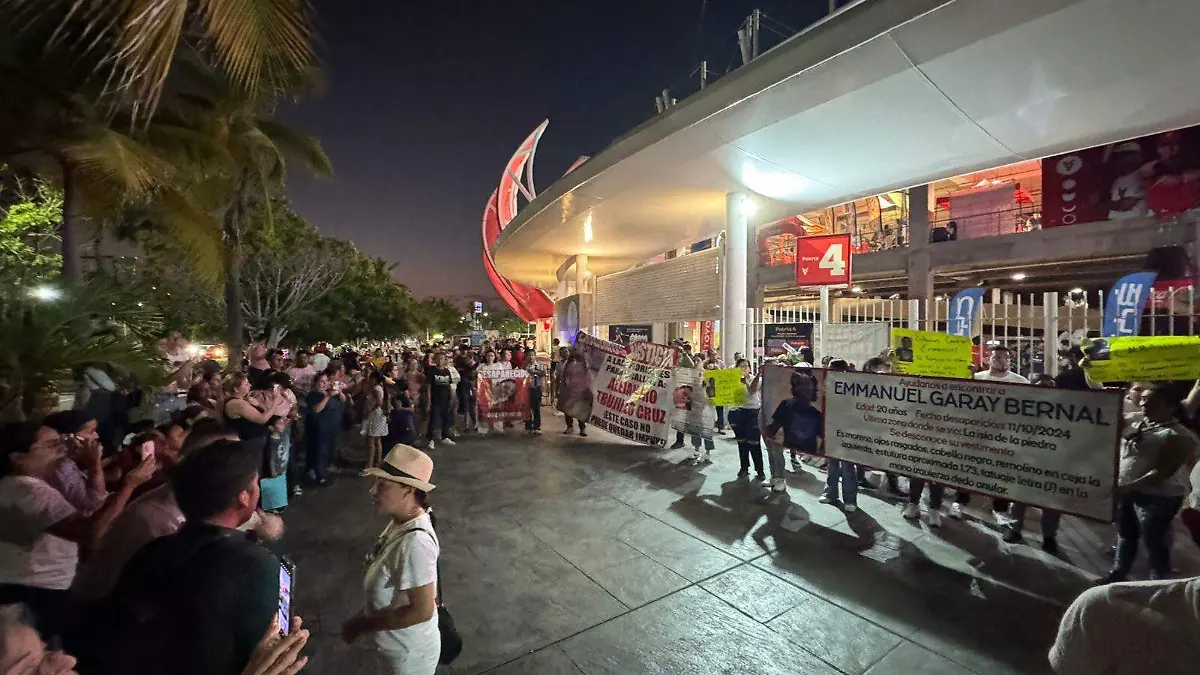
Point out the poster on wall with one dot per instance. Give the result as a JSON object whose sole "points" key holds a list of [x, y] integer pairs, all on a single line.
{"points": [[786, 338], [1053, 448], [503, 396], [624, 334], [634, 394], [1157, 175], [856, 343]]}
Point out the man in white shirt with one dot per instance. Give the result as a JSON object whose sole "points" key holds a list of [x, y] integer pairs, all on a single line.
{"points": [[1130, 629], [1000, 367]]}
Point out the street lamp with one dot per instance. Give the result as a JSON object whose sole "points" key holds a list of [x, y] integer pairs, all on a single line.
{"points": [[45, 293]]}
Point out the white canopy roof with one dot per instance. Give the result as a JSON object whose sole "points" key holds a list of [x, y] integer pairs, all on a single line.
{"points": [[881, 96]]}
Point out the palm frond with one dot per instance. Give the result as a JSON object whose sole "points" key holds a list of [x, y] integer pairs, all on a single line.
{"points": [[292, 143], [107, 158], [197, 233], [263, 39]]}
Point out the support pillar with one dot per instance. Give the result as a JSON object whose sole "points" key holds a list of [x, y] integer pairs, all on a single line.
{"points": [[735, 255], [920, 276], [587, 310]]}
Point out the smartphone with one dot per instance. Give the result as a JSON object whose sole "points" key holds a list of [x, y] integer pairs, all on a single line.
{"points": [[287, 577]]}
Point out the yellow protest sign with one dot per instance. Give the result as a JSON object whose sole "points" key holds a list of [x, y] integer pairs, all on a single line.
{"points": [[728, 389], [921, 352], [1161, 357]]}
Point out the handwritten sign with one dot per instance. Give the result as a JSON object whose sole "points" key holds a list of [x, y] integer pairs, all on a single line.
{"points": [[1125, 359], [728, 389], [920, 352]]}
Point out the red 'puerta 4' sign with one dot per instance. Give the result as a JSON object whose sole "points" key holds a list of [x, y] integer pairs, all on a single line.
{"points": [[823, 260]]}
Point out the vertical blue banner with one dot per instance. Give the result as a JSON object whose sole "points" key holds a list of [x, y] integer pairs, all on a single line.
{"points": [[961, 318], [1126, 301]]}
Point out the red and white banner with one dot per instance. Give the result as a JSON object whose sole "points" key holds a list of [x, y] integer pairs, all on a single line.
{"points": [[823, 260], [504, 396], [633, 394]]}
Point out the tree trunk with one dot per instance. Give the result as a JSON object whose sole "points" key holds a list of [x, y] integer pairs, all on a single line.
{"points": [[72, 263], [235, 330], [275, 336]]}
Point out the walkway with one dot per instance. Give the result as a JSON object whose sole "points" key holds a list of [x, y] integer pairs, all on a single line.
{"points": [[569, 555]]}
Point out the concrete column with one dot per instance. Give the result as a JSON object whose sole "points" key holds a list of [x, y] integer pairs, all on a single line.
{"points": [[920, 276], [581, 270], [658, 333], [735, 255]]}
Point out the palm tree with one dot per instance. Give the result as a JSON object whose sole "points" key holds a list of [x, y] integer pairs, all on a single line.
{"points": [[43, 343], [130, 45], [241, 171]]}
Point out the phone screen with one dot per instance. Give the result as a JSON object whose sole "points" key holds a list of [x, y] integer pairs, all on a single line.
{"points": [[285, 599]]}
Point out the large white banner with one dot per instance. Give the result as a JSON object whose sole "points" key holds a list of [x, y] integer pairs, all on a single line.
{"points": [[857, 343], [1048, 447], [634, 394]]}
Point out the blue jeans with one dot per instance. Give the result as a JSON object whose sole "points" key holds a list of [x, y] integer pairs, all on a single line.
{"points": [[720, 418], [1149, 518], [775, 460], [845, 472], [708, 443]]}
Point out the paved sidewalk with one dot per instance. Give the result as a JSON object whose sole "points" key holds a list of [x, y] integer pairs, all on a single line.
{"points": [[571, 555]]}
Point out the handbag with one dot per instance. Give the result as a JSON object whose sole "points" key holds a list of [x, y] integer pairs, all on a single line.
{"points": [[452, 643]]}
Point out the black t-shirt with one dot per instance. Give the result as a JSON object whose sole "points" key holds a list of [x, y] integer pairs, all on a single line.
{"points": [[1071, 378], [258, 377], [440, 385]]}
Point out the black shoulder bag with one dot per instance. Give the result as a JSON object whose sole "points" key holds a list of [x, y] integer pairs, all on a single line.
{"points": [[452, 643]]}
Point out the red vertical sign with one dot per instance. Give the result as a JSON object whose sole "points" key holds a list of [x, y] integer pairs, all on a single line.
{"points": [[706, 335]]}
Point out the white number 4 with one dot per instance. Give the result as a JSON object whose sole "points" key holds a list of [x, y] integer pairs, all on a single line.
{"points": [[834, 260]]}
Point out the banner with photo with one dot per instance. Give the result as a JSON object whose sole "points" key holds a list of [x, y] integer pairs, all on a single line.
{"points": [[923, 352], [575, 377], [503, 396], [627, 333], [694, 412], [634, 394], [781, 384], [1126, 359], [728, 388], [1052, 448]]}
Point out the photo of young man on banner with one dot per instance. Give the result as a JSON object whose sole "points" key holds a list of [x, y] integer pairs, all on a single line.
{"points": [[503, 396]]}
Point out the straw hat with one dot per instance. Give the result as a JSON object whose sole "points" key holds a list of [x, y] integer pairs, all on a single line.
{"points": [[405, 464]]}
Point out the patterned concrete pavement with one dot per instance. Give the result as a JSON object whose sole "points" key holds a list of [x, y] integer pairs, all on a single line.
{"points": [[571, 555]]}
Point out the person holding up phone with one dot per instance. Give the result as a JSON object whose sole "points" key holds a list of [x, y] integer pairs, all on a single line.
{"points": [[41, 532]]}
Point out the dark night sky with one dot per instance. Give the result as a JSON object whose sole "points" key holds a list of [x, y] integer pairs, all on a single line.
{"points": [[426, 101]]}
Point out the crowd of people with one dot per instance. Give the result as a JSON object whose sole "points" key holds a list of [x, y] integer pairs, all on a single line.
{"points": [[104, 514], [110, 505]]}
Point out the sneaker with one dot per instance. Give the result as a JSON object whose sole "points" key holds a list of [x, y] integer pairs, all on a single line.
{"points": [[1050, 545], [797, 467], [911, 511], [1002, 519], [707, 458], [431, 445], [537, 432], [850, 508], [826, 499], [743, 473], [768, 483], [674, 446], [583, 433], [297, 492], [567, 431], [1011, 536], [696, 457], [719, 432], [956, 511], [449, 441], [779, 485], [935, 518], [760, 477]]}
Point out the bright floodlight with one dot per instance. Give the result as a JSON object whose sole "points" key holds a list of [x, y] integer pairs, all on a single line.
{"points": [[1019, 276], [45, 293], [747, 207]]}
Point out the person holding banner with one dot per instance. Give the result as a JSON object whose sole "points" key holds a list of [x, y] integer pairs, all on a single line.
{"points": [[1152, 480], [840, 471], [800, 424], [744, 420], [575, 391]]}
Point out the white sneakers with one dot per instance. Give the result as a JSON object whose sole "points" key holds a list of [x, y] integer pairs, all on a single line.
{"points": [[956, 511], [705, 458], [935, 518], [449, 441], [911, 511], [850, 508], [779, 485]]}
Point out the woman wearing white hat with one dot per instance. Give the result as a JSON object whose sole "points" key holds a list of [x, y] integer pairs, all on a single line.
{"points": [[401, 581]]}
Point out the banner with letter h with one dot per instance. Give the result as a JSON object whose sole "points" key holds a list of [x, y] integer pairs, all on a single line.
{"points": [[961, 319]]}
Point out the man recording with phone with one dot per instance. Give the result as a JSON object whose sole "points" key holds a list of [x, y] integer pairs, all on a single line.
{"points": [[197, 601]]}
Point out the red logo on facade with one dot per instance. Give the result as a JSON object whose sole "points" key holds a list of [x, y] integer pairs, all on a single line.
{"points": [[823, 260]]}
